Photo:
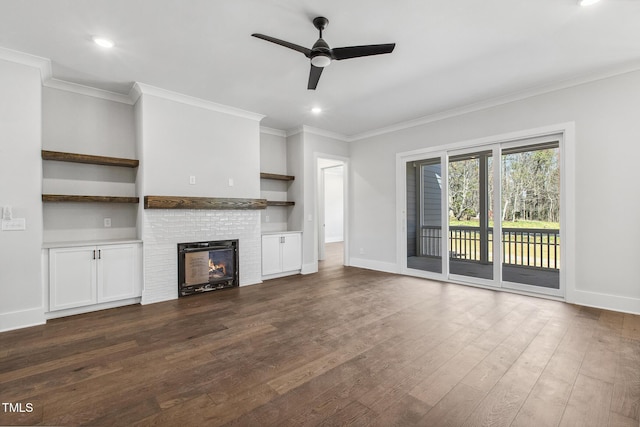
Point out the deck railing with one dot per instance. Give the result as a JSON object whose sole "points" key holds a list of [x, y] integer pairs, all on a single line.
{"points": [[532, 247]]}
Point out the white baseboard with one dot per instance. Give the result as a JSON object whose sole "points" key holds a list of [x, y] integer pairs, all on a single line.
{"points": [[387, 267], [250, 283], [278, 275], [22, 319], [90, 308], [334, 239], [606, 301], [309, 268]]}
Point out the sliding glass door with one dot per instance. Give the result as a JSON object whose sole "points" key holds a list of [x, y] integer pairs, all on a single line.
{"points": [[530, 216], [488, 216], [424, 215], [470, 196]]}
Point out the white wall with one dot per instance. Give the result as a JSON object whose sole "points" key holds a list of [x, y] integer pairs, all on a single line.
{"points": [[314, 146], [605, 113], [296, 167], [333, 204], [21, 297], [273, 159], [181, 140], [83, 124]]}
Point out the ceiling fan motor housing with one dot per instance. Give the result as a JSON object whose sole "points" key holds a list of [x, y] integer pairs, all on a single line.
{"points": [[320, 54]]}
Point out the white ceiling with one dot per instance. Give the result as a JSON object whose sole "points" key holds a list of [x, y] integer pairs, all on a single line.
{"points": [[449, 53]]}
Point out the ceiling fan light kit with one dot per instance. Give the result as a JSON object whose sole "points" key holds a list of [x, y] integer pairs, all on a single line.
{"points": [[321, 54]]}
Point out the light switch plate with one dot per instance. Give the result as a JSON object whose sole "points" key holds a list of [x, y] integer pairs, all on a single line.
{"points": [[16, 224]]}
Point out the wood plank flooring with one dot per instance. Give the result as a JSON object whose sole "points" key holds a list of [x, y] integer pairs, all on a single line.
{"points": [[345, 346]]}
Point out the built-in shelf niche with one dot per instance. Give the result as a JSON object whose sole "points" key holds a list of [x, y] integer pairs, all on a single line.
{"points": [[278, 177], [88, 197]]}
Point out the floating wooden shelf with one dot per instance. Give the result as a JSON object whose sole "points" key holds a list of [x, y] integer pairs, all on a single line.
{"points": [[88, 199], [276, 176], [278, 203], [177, 202], [89, 159]]}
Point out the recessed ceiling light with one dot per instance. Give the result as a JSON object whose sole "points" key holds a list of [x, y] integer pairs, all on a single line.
{"points": [[103, 42], [587, 2], [316, 110]]}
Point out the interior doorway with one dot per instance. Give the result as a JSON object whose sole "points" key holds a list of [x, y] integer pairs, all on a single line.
{"points": [[331, 209]]}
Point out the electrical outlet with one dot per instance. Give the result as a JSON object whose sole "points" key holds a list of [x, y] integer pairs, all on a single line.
{"points": [[107, 222], [266, 218], [192, 180], [230, 182], [361, 251]]}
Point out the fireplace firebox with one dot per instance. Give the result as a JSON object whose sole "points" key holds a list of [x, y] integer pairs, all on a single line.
{"points": [[207, 266]]}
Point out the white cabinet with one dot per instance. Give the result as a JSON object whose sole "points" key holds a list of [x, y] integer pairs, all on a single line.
{"points": [[281, 253], [88, 275]]}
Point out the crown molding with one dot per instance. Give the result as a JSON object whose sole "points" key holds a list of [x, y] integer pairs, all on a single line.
{"points": [[317, 131], [87, 90], [274, 132], [494, 102], [145, 89], [43, 64], [325, 133], [294, 131]]}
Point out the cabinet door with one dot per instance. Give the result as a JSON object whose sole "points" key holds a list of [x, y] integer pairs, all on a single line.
{"points": [[291, 252], [118, 272], [271, 262], [72, 277]]}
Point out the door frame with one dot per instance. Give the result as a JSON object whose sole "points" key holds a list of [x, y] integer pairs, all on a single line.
{"points": [[319, 188], [567, 209]]}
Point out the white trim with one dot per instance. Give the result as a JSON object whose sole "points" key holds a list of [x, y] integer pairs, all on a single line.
{"points": [[607, 302], [309, 268], [497, 101], [568, 212], [319, 132], [142, 88], [44, 64], [345, 199], [279, 275], [90, 308], [369, 264], [22, 319], [274, 132], [88, 91]]}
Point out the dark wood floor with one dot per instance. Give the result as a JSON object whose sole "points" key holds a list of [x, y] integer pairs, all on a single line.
{"points": [[345, 346]]}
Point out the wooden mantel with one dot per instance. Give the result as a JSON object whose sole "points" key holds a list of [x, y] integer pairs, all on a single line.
{"points": [[184, 202]]}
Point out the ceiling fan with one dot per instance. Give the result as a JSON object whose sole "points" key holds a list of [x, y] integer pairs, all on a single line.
{"points": [[321, 54]]}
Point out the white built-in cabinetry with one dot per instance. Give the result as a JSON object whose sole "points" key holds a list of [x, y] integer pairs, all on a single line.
{"points": [[281, 254], [86, 278]]}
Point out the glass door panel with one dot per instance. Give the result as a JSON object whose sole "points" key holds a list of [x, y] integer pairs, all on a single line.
{"points": [[470, 194], [424, 215], [530, 216]]}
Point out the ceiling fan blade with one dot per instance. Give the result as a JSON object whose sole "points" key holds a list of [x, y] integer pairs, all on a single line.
{"points": [[301, 49], [314, 76], [357, 51]]}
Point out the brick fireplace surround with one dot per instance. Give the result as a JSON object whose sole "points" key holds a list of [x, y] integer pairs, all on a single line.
{"points": [[163, 229]]}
